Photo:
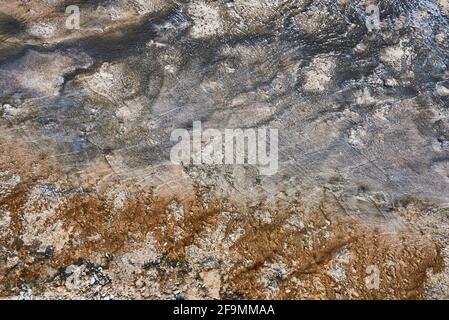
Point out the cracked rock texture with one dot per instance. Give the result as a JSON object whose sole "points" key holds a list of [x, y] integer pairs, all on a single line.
{"points": [[91, 206]]}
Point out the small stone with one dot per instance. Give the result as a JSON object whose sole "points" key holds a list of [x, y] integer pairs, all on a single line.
{"points": [[180, 296], [9, 110], [12, 262], [390, 82], [442, 90], [70, 269]]}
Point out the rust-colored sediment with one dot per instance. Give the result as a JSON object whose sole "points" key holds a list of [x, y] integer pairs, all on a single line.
{"points": [[326, 255]]}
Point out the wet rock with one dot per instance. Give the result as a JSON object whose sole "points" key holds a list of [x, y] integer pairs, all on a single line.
{"points": [[85, 123]]}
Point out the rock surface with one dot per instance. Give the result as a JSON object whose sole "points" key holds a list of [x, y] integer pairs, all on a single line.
{"points": [[92, 207]]}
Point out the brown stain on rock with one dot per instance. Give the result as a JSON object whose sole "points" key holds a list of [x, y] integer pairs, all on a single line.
{"points": [[95, 225]]}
